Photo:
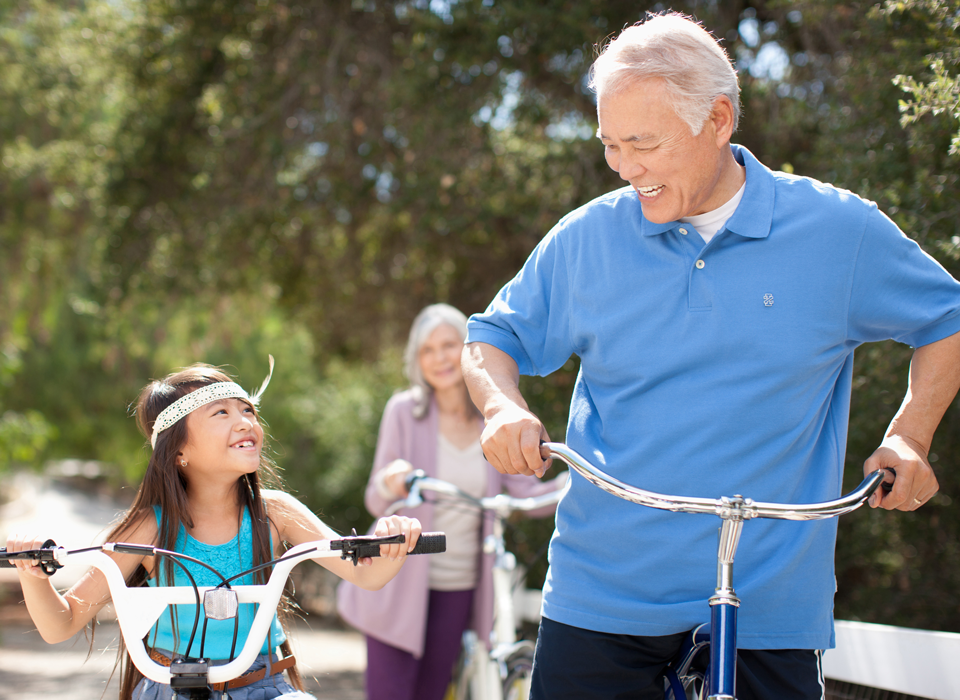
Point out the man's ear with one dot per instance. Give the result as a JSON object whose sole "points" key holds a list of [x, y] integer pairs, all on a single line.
{"points": [[722, 118]]}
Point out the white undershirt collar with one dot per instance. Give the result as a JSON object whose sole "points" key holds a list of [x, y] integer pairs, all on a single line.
{"points": [[711, 222]]}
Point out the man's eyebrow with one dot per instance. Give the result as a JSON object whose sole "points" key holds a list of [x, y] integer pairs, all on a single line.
{"points": [[630, 139]]}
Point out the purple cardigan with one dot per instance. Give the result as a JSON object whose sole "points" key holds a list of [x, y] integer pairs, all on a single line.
{"points": [[397, 614]]}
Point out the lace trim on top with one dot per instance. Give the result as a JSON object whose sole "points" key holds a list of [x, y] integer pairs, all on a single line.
{"points": [[229, 558]]}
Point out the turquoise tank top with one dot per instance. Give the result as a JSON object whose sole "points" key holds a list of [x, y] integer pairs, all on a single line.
{"points": [[229, 558]]}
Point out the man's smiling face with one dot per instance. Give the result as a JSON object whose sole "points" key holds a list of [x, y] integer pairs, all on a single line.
{"points": [[674, 173]]}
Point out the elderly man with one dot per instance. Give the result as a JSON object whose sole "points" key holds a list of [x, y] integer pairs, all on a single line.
{"points": [[715, 306]]}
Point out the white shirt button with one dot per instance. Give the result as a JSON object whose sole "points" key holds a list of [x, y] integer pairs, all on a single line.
{"points": [[700, 264], [683, 231]]}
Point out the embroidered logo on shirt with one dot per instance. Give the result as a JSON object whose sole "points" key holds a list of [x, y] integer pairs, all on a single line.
{"points": [[768, 299]]}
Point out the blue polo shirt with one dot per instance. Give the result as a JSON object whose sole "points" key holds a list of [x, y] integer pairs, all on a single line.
{"points": [[708, 370]]}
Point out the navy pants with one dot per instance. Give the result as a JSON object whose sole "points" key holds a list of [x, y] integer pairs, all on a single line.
{"points": [[395, 674], [576, 664]]}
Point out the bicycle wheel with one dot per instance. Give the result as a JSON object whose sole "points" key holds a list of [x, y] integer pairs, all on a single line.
{"points": [[516, 686]]}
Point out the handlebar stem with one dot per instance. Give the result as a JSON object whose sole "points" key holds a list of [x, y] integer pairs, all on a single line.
{"points": [[726, 551]]}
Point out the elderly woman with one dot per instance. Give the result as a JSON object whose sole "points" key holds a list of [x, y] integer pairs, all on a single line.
{"points": [[414, 624]]}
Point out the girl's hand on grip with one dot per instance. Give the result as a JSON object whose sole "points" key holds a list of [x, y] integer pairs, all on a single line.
{"points": [[396, 525], [19, 542]]}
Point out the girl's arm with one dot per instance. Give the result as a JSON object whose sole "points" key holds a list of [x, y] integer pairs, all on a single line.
{"points": [[297, 524], [60, 616]]}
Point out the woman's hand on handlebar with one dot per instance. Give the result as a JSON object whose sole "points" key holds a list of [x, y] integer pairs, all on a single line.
{"points": [[394, 477], [19, 542], [397, 525]]}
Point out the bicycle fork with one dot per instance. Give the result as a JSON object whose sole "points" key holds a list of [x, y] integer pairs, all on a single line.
{"points": [[724, 603]]}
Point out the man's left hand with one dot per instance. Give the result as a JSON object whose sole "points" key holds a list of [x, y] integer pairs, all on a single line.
{"points": [[916, 483]]}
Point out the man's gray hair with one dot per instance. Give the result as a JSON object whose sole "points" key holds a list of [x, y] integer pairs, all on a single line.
{"points": [[693, 66], [426, 322]]}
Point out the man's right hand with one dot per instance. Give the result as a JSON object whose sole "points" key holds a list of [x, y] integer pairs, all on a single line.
{"points": [[511, 442], [511, 437]]}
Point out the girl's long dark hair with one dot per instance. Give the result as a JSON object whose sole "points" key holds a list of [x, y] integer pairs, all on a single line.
{"points": [[164, 485]]}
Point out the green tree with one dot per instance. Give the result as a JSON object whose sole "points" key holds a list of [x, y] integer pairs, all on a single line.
{"points": [[184, 181]]}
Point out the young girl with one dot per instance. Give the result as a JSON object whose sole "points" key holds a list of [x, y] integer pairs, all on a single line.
{"points": [[202, 495]]}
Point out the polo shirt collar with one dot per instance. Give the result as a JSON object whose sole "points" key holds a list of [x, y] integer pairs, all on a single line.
{"points": [[754, 215]]}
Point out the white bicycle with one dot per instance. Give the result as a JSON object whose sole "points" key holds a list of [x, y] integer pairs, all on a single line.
{"points": [[503, 671], [138, 609]]}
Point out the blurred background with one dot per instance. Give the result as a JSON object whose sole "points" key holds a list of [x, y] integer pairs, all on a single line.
{"points": [[210, 180]]}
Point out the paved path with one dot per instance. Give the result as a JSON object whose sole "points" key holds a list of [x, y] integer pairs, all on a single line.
{"points": [[332, 662]]}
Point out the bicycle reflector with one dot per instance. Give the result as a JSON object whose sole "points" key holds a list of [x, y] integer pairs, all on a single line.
{"points": [[220, 604]]}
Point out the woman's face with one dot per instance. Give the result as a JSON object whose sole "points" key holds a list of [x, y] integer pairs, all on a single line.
{"points": [[440, 358]]}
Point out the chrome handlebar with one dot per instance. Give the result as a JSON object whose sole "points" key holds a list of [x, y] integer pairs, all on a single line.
{"points": [[502, 504], [727, 507]]}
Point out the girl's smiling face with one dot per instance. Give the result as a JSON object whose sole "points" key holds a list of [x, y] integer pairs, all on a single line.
{"points": [[223, 438], [440, 358]]}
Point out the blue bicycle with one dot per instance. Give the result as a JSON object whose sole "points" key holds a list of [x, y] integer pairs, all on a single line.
{"points": [[684, 680]]}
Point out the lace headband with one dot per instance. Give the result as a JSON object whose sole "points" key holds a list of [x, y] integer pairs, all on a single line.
{"points": [[186, 405]]}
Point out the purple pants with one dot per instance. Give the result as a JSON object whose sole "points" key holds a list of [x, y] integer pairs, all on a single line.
{"points": [[394, 674]]}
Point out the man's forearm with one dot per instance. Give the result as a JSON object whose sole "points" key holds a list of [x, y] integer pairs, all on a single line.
{"points": [[511, 437], [492, 377], [934, 381]]}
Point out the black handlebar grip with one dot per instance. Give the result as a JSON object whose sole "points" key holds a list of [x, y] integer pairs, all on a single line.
{"points": [[887, 486], [46, 557], [429, 543]]}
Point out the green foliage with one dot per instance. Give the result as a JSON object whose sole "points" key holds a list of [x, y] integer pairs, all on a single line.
{"points": [[214, 181], [333, 431], [22, 437]]}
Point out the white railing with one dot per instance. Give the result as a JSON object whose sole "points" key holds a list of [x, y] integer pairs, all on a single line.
{"points": [[902, 660]]}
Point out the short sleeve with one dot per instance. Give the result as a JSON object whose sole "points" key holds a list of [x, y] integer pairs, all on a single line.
{"points": [[529, 319], [898, 290]]}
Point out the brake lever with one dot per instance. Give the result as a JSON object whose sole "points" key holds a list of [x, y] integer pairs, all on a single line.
{"points": [[355, 546]]}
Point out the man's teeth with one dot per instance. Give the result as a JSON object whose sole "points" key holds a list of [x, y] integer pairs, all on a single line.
{"points": [[649, 191]]}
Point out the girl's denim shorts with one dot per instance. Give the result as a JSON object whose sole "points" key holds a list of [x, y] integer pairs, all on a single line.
{"points": [[267, 688]]}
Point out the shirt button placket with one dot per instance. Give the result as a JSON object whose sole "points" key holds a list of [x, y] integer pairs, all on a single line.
{"points": [[700, 297]]}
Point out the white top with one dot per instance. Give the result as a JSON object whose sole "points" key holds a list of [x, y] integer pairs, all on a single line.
{"points": [[709, 224], [456, 569]]}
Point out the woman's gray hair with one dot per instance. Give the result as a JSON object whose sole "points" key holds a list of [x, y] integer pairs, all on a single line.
{"points": [[693, 66], [423, 325]]}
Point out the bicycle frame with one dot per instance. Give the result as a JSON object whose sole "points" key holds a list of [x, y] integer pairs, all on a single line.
{"points": [[489, 669], [733, 512]]}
